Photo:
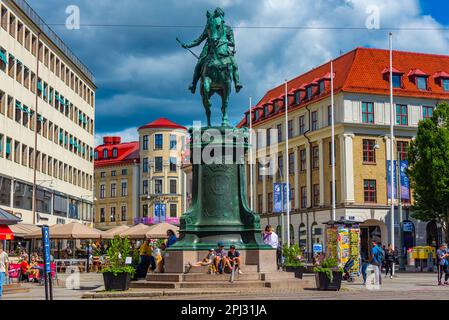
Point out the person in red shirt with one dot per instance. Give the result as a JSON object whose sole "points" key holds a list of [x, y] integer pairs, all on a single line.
{"points": [[24, 268]]}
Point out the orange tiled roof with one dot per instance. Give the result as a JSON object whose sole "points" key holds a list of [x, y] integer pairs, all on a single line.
{"points": [[362, 70], [127, 152]]}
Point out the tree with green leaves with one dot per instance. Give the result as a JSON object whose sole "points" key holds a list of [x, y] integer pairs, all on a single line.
{"points": [[429, 169]]}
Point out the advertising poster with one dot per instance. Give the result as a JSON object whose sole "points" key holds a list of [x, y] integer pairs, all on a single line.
{"points": [[344, 247], [332, 242], [355, 248]]}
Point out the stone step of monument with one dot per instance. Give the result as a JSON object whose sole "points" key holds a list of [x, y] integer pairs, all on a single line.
{"points": [[177, 277], [199, 284], [253, 276], [204, 269]]}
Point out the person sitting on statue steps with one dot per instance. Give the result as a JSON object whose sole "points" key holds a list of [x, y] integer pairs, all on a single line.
{"points": [[207, 261], [205, 52], [234, 258], [221, 259]]}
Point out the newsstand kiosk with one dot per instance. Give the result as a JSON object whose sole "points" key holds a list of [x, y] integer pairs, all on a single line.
{"points": [[343, 242]]}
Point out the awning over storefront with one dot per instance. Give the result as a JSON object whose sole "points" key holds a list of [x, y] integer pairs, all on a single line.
{"points": [[8, 218], [6, 233], [21, 229]]}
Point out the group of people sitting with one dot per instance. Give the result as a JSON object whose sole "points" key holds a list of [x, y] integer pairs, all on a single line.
{"points": [[32, 270], [219, 261]]}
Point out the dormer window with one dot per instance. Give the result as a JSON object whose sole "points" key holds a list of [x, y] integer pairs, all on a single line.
{"points": [[114, 153], [105, 153], [396, 76], [265, 110], [397, 80], [419, 77], [445, 83], [256, 115], [322, 86], [247, 118], [276, 106], [421, 83], [309, 92], [297, 97], [96, 155]]}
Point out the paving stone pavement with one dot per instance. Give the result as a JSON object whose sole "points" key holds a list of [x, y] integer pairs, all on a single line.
{"points": [[418, 286]]}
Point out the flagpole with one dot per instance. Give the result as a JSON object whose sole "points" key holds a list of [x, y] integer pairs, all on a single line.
{"points": [[251, 156], [286, 176], [333, 141], [391, 145]]}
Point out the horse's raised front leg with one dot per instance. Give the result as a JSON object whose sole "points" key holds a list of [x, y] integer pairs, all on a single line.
{"points": [[205, 94]]}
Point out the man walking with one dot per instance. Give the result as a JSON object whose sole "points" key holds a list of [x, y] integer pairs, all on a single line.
{"points": [[376, 261], [4, 267], [442, 255]]}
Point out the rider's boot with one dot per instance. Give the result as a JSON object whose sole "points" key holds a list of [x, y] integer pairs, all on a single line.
{"points": [[238, 87], [192, 88]]}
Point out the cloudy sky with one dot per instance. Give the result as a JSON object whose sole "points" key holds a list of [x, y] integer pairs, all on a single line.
{"points": [[142, 73]]}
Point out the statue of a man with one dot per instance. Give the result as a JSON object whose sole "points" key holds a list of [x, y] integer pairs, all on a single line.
{"points": [[205, 53]]}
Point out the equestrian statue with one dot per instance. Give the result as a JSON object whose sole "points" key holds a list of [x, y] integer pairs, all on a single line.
{"points": [[216, 66]]}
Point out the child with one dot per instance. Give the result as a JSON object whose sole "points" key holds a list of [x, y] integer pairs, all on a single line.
{"points": [[207, 261]]}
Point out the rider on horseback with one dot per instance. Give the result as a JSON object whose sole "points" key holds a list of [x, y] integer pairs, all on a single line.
{"points": [[205, 53]]}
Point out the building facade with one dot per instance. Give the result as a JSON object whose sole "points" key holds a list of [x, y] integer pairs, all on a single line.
{"points": [[47, 114], [162, 181], [362, 144], [117, 168]]}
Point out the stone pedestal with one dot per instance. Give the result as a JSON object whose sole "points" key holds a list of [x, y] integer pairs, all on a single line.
{"points": [[252, 260], [219, 209]]}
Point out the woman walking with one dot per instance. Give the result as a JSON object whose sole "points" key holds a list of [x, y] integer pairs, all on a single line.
{"points": [[389, 260]]}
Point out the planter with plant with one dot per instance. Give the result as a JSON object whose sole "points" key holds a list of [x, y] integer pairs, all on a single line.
{"points": [[116, 274], [292, 262], [328, 275]]}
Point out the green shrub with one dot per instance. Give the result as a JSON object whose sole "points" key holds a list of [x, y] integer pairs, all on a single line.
{"points": [[118, 250], [291, 255], [328, 266]]}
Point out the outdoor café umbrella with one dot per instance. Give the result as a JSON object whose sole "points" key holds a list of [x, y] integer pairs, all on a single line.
{"points": [[111, 233], [22, 229], [136, 232], [159, 231], [73, 230]]}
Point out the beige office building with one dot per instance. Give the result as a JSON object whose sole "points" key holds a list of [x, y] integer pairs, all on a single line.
{"points": [[362, 144], [48, 94]]}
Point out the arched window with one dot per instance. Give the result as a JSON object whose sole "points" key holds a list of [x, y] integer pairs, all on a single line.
{"points": [[302, 237], [105, 153], [114, 153], [317, 233], [292, 234], [96, 155]]}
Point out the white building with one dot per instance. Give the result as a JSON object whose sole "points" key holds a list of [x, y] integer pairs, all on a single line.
{"points": [[46, 94]]}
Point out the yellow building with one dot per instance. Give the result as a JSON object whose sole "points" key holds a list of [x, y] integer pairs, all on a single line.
{"points": [[362, 143], [116, 183], [162, 182]]}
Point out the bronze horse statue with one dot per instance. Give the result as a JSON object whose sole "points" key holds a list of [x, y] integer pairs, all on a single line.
{"points": [[216, 66]]}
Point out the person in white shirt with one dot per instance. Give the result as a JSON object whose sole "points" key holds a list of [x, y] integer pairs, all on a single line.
{"points": [[4, 267], [270, 238]]}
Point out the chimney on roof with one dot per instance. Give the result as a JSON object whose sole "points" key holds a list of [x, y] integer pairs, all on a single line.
{"points": [[111, 140]]}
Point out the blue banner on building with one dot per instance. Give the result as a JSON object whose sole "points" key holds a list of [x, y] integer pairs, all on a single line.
{"points": [[405, 181], [389, 179], [159, 212], [277, 197], [280, 197]]}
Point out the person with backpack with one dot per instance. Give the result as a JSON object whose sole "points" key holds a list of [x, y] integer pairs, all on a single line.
{"points": [[443, 264], [376, 260]]}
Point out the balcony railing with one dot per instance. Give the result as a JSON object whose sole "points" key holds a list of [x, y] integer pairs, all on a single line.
{"points": [[153, 220]]}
